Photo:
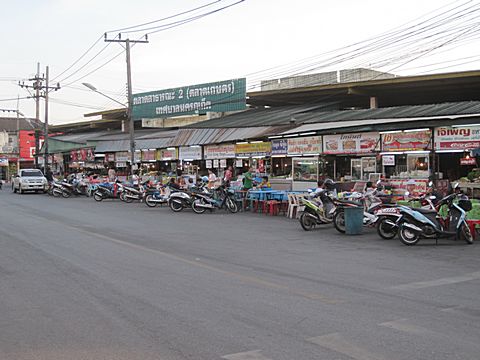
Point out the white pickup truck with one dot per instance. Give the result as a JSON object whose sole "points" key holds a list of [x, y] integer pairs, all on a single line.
{"points": [[29, 180]]}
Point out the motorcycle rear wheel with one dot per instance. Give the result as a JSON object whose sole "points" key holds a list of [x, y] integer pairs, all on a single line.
{"points": [[466, 234], [125, 198], [407, 236], [339, 221], [66, 194], [386, 231], [307, 222]]}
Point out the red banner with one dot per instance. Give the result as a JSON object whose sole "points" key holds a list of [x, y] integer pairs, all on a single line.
{"points": [[468, 161]]}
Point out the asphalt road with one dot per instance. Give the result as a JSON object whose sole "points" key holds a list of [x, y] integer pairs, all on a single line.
{"points": [[87, 280]]}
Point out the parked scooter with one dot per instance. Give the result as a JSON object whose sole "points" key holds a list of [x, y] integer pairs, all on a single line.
{"points": [[417, 224], [154, 196], [131, 193], [222, 197], [108, 191], [316, 210]]}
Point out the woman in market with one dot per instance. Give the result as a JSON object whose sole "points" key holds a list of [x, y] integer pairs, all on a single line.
{"points": [[211, 179]]}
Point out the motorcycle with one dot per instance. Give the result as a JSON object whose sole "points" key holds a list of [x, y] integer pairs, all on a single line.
{"points": [[388, 217], [131, 193], [108, 191], [417, 224], [370, 202], [153, 196], [316, 210], [222, 197], [74, 187]]}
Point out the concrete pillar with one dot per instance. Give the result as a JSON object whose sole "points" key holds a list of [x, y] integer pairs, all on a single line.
{"points": [[373, 102]]}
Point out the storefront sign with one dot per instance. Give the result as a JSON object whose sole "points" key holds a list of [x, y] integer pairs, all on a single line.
{"points": [[304, 145], [122, 156], [359, 143], [449, 138], [3, 161], [407, 141], [279, 147], [413, 186], [165, 154], [468, 161], [120, 164], [190, 153], [388, 160], [228, 95], [226, 151], [253, 149], [148, 155]]}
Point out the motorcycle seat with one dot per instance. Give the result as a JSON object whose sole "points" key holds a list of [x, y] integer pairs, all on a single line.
{"points": [[350, 202], [425, 211]]}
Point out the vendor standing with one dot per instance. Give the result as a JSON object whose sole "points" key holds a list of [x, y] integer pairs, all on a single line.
{"points": [[248, 179]]}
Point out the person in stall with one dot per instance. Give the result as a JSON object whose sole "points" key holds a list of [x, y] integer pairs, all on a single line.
{"points": [[265, 184]]}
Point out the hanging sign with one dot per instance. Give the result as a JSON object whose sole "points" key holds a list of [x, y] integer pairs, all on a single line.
{"points": [[462, 138], [226, 151], [407, 141], [254, 149], [223, 163], [359, 143], [208, 164], [73, 155], [190, 153], [468, 161], [215, 163], [239, 163], [279, 147], [109, 157], [304, 145], [388, 160], [166, 154], [3, 161]]}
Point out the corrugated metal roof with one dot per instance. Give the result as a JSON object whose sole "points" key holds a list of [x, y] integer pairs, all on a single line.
{"points": [[214, 136], [112, 146], [262, 116], [297, 115]]}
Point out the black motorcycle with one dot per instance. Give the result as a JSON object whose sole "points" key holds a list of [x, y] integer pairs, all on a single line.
{"points": [[220, 198], [108, 191]]}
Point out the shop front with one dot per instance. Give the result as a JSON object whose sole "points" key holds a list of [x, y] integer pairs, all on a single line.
{"points": [[218, 157], [190, 160], [255, 154], [454, 147], [351, 157], [406, 154], [149, 164], [306, 166], [168, 159]]}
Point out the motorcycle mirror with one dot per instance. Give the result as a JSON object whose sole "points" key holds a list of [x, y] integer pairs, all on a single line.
{"points": [[407, 193], [430, 183], [433, 197], [378, 181], [455, 186], [310, 191]]}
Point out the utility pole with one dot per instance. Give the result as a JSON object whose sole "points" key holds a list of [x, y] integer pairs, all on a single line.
{"points": [[38, 86], [129, 91]]}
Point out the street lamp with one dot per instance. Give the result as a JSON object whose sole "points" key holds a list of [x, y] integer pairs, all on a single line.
{"points": [[93, 88], [131, 131]]}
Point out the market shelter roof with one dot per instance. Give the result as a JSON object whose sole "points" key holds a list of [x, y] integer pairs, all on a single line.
{"points": [[187, 137], [395, 118]]}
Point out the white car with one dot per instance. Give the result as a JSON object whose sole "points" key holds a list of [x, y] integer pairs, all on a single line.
{"points": [[29, 180]]}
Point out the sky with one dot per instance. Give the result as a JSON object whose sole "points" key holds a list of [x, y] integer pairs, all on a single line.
{"points": [[243, 40]]}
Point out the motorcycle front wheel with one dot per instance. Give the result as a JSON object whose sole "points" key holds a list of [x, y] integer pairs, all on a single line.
{"points": [[465, 234], [407, 236], [339, 221], [176, 205], [307, 222], [97, 196], [196, 208], [231, 205], [66, 194], [385, 230], [149, 201]]}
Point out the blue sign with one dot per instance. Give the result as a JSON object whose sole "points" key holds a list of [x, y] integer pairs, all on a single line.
{"points": [[279, 147]]}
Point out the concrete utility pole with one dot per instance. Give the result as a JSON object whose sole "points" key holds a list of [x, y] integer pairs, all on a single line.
{"points": [[130, 99], [38, 86]]}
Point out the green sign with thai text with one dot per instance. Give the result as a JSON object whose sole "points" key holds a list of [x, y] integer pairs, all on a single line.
{"points": [[221, 96]]}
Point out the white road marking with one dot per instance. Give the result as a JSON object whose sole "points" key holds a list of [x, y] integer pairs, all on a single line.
{"points": [[403, 325], [438, 282], [248, 355], [338, 343]]}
